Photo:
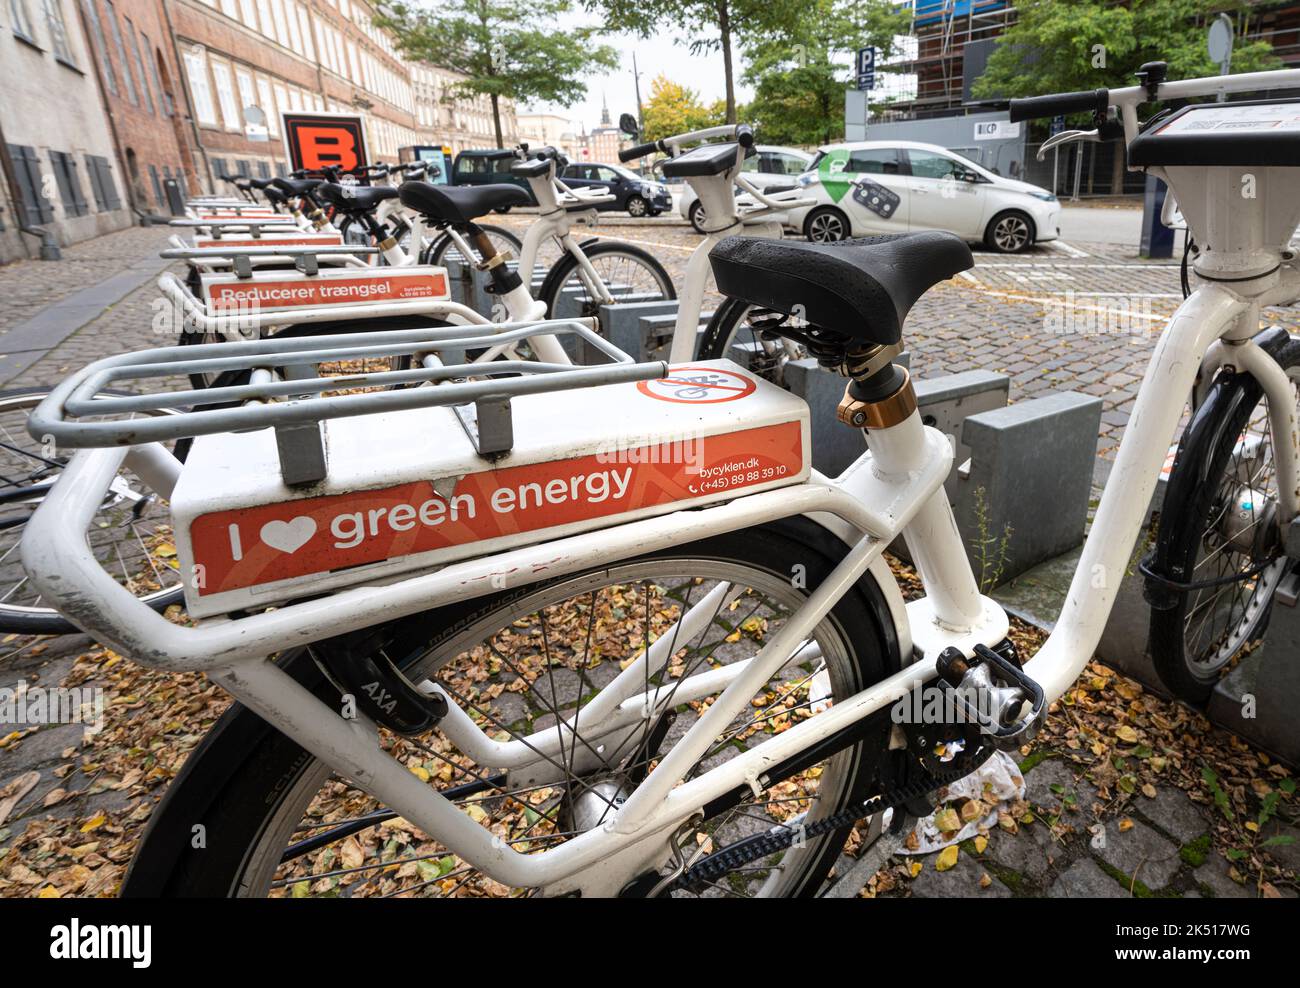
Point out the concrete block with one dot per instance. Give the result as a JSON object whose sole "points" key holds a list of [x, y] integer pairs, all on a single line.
{"points": [[621, 324], [946, 402], [1026, 496], [1259, 697]]}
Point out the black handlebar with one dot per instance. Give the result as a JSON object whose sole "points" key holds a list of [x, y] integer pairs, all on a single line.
{"points": [[745, 135], [641, 150], [499, 154], [1059, 104]]}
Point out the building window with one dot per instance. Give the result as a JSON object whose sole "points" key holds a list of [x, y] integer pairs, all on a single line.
{"points": [[268, 106], [121, 52], [101, 46], [157, 187], [65, 174], [196, 70], [139, 65], [27, 167], [226, 95], [164, 98], [247, 95], [101, 183], [58, 32], [22, 20], [248, 13]]}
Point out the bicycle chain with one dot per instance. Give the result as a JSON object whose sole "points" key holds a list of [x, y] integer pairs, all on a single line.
{"points": [[749, 849]]}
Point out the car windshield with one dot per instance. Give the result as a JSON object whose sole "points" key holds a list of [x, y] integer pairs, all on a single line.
{"points": [[817, 160], [625, 172]]}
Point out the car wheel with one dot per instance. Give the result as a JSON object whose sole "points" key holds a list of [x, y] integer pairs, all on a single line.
{"points": [[696, 216], [1009, 233], [826, 225], [636, 206]]}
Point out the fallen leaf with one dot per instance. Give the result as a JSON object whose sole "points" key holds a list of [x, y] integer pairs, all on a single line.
{"points": [[981, 842], [947, 858]]}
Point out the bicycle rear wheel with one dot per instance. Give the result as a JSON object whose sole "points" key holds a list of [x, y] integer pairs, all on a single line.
{"points": [[131, 535], [516, 662], [628, 273], [1217, 531]]}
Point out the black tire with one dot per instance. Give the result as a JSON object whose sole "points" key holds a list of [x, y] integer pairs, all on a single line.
{"points": [[32, 620], [1010, 232], [636, 206], [236, 780], [503, 209], [567, 265], [1198, 498], [436, 251], [696, 215], [827, 225], [723, 328]]}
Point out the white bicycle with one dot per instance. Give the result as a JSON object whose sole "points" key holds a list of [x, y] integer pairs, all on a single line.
{"points": [[531, 656]]}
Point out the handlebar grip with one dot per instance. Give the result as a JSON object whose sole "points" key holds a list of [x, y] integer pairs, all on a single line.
{"points": [[499, 154], [1059, 104], [640, 150], [745, 135]]}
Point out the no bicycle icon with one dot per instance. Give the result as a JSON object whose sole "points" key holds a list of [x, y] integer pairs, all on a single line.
{"points": [[698, 386]]}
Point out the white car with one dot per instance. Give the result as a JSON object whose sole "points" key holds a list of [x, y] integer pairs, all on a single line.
{"points": [[866, 188], [770, 167]]}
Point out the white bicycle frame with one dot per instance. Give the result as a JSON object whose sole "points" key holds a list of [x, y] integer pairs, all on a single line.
{"points": [[895, 488]]}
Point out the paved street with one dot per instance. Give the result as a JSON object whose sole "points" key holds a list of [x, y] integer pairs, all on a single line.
{"points": [[1035, 317]]}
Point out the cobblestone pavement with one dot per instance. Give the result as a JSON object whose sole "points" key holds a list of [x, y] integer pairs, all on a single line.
{"points": [[29, 286], [998, 317], [1163, 849]]}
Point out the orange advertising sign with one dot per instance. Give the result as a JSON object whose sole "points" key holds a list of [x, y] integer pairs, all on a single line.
{"points": [[248, 547], [279, 293], [316, 140]]}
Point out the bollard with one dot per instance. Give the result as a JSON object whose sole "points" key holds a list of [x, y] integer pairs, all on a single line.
{"points": [[1025, 497], [621, 324]]}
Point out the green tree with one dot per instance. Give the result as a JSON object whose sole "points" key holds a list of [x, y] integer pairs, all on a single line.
{"points": [[710, 25], [506, 50], [675, 109], [1093, 44], [1089, 44], [799, 74]]}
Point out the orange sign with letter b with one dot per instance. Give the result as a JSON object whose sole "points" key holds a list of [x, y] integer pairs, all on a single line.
{"points": [[317, 140]]}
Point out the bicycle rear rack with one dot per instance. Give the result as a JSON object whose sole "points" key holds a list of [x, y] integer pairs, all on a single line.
{"points": [[304, 256], [295, 403]]}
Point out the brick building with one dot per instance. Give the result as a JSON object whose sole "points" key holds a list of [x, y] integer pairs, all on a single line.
{"points": [[136, 62], [61, 180], [314, 55]]}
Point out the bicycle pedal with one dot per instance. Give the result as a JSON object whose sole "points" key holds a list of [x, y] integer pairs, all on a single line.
{"points": [[991, 692]]}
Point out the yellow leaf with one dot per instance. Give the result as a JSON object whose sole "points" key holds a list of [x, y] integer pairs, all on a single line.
{"points": [[981, 842], [1125, 825], [166, 550], [947, 820], [985, 881], [94, 823], [1252, 826], [49, 892], [914, 867], [1149, 791], [947, 858], [1126, 734], [420, 772]]}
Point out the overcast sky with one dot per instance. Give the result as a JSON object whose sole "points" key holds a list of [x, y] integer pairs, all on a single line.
{"points": [[655, 56]]}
